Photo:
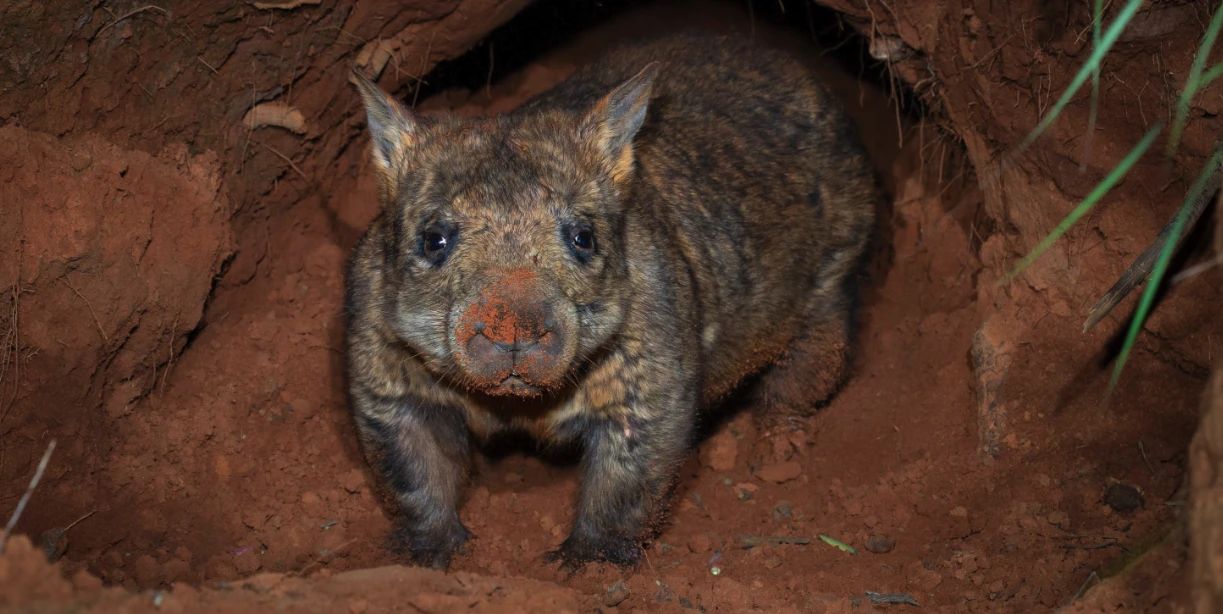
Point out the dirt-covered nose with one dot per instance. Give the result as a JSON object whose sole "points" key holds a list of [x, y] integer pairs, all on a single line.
{"points": [[508, 339]]}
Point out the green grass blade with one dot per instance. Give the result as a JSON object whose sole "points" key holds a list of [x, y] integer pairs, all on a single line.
{"points": [[1161, 267], [1097, 18], [1097, 22], [1211, 74], [1092, 65], [1194, 82], [1096, 194]]}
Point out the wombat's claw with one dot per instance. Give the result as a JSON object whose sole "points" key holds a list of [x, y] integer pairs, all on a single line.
{"points": [[435, 551], [573, 555], [568, 564], [779, 442]]}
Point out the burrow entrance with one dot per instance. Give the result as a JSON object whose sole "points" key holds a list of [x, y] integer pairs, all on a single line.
{"points": [[223, 447]]}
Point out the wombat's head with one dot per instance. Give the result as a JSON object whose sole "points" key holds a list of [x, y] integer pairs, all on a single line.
{"points": [[506, 266]]}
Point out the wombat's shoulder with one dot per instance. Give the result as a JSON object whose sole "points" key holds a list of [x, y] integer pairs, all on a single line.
{"points": [[698, 67]]}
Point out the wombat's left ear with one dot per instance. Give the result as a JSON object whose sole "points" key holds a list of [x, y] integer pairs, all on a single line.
{"points": [[391, 125], [616, 118]]}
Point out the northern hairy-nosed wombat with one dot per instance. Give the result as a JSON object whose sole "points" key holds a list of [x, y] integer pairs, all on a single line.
{"points": [[597, 267]]}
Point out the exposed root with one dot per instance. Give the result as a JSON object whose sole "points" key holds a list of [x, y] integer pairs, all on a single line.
{"points": [[373, 58], [1142, 266], [424, 62], [130, 14], [275, 114], [170, 362], [285, 158], [12, 521], [8, 349], [325, 555], [286, 6], [96, 322], [10, 358], [207, 65], [78, 520]]}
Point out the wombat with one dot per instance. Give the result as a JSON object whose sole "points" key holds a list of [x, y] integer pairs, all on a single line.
{"points": [[598, 267]]}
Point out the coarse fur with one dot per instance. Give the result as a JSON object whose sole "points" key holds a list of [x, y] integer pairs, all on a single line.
{"points": [[598, 267]]}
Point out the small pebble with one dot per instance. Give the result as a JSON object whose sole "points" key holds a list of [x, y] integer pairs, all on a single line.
{"points": [[616, 594], [783, 510], [54, 543], [879, 544], [665, 593], [904, 598], [1123, 498]]}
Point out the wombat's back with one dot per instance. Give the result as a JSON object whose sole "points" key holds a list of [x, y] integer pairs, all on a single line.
{"points": [[755, 174]]}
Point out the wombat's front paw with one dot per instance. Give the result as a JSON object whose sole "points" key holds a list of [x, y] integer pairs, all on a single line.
{"points": [[576, 551], [777, 439], [433, 546]]}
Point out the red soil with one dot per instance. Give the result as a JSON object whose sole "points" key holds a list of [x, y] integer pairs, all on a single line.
{"points": [[242, 460]]}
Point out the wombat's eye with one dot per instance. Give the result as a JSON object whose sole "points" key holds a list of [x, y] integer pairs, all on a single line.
{"points": [[582, 241], [436, 242]]}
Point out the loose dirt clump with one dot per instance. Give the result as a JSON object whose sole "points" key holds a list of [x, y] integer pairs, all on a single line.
{"points": [[107, 258], [30, 582]]}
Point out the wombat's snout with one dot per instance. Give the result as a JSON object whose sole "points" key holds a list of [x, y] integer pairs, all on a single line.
{"points": [[509, 340]]}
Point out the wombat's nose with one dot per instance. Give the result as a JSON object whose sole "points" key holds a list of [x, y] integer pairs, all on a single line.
{"points": [[522, 339], [515, 346], [509, 334], [525, 327]]}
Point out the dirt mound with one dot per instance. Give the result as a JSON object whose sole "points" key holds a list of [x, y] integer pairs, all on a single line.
{"points": [[106, 260], [29, 583]]}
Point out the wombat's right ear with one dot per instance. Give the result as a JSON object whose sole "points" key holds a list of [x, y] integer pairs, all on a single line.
{"points": [[391, 125], [616, 118]]}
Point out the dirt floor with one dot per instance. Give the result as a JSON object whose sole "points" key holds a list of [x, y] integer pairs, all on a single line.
{"points": [[218, 470]]}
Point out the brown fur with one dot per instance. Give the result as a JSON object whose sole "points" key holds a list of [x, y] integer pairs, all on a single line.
{"points": [[728, 202]]}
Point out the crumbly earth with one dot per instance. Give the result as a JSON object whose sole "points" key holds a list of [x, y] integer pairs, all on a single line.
{"points": [[241, 466], [32, 584]]}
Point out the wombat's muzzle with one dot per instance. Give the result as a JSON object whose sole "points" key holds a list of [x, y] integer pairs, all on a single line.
{"points": [[509, 340]]}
